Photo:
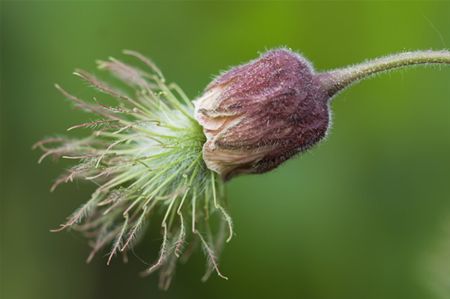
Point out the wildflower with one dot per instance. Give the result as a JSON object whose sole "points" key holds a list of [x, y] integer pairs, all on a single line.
{"points": [[155, 153], [145, 155]]}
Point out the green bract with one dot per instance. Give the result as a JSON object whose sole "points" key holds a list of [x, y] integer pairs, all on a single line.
{"points": [[145, 156]]}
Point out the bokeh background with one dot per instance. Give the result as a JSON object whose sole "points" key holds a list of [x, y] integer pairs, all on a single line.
{"points": [[366, 214]]}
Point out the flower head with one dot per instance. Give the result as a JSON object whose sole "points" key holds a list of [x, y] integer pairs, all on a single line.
{"points": [[145, 156], [259, 114]]}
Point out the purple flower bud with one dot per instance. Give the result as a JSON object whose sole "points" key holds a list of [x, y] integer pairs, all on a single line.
{"points": [[257, 115]]}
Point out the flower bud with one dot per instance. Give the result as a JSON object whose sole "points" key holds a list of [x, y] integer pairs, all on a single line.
{"points": [[258, 115]]}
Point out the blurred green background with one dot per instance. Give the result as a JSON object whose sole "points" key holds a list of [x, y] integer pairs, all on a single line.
{"points": [[366, 214]]}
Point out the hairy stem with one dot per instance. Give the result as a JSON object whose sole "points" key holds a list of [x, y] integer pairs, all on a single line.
{"points": [[336, 80]]}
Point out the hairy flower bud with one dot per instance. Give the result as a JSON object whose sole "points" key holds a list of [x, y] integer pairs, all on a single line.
{"points": [[257, 115]]}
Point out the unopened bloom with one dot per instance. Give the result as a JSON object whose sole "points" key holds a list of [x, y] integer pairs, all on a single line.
{"points": [[259, 114]]}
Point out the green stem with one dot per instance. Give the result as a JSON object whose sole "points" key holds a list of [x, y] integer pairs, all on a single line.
{"points": [[336, 80]]}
